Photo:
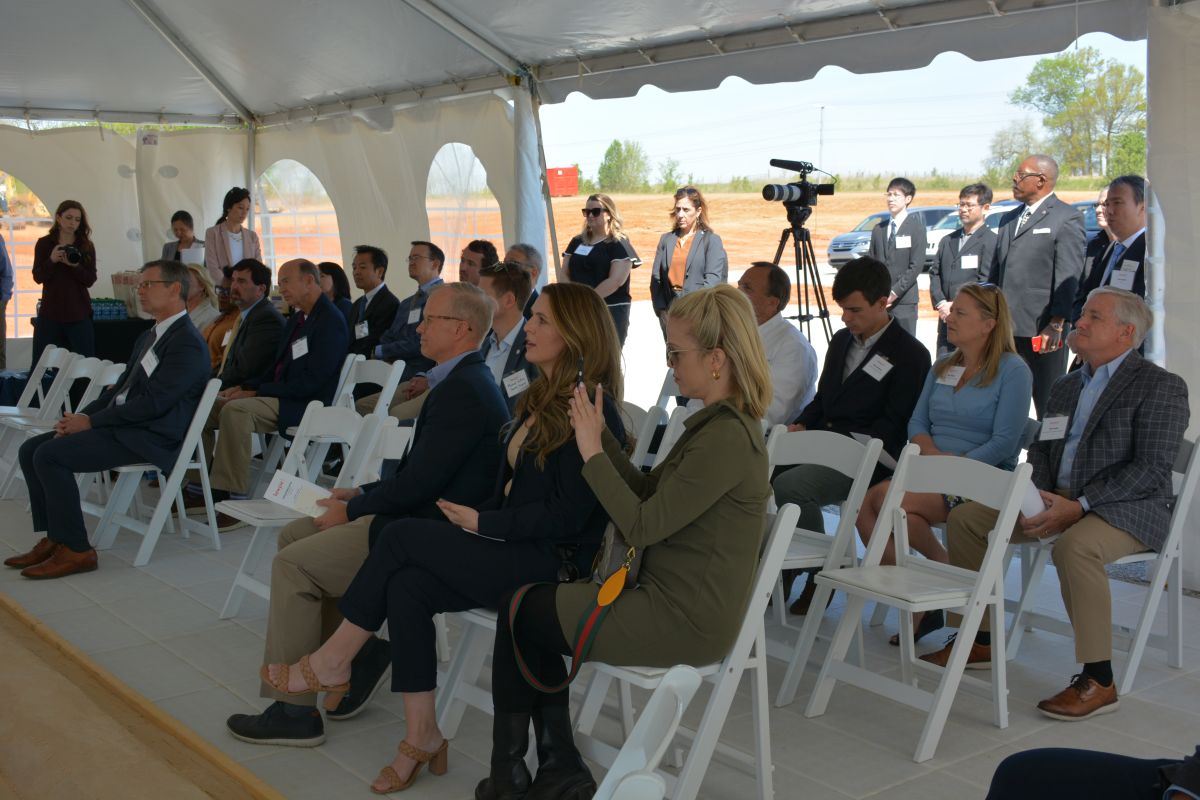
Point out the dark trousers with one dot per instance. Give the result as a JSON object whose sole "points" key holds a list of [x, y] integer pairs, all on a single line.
{"points": [[50, 463], [906, 315], [943, 343], [1046, 370], [620, 315], [78, 337], [1054, 773], [542, 647], [418, 568]]}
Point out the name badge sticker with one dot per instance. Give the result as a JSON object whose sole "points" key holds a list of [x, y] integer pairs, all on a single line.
{"points": [[226, 338], [1122, 279], [414, 316], [149, 362], [515, 383], [952, 376], [970, 262], [300, 348], [877, 367], [1129, 265], [903, 242], [582, 250], [1041, 230], [1053, 428], [361, 330]]}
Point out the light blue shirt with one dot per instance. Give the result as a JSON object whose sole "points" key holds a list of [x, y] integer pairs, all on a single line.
{"points": [[440, 371], [497, 351], [1094, 385], [983, 423]]}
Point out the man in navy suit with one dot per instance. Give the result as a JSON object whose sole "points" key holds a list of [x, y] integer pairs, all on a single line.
{"points": [[374, 312], [306, 368], [509, 285], [899, 242], [455, 455], [142, 418], [1123, 262]]}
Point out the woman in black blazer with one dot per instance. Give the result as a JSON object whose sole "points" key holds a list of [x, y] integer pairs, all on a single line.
{"points": [[542, 524]]}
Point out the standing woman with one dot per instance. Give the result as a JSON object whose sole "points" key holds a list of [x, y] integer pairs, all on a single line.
{"points": [[336, 286], [185, 236], [689, 257], [602, 257], [229, 241], [64, 263]]}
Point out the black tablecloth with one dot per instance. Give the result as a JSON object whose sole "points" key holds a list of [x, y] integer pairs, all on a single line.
{"points": [[115, 337]]}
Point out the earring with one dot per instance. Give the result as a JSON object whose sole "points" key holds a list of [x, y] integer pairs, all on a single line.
{"points": [[716, 374]]}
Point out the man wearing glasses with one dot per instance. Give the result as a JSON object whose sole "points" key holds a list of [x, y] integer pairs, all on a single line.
{"points": [[401, 340], [899, 242], [1038, 263], [962, 256]]}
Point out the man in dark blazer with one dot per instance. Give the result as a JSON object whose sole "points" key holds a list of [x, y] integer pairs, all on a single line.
{"points": [[899, 242], [455, 454], [529, 257], [374, 312], [1102, 462], [1122, 262], [873, 374], [143, 417], [509, 286], [401, 341], [1038, 264], [306, 367], [962, 256], [255, 336]]}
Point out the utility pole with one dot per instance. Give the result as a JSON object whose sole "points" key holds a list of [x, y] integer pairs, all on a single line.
{"points": [[821, 140]]}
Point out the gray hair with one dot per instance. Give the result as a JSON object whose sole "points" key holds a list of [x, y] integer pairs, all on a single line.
{"points": [[172, 272], [1130, 310], [470, 304], [532, 255], [306, 267]]}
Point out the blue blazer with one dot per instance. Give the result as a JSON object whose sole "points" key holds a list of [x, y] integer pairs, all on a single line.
{"points": [[159, 407], [455, 451], [314, 375]]}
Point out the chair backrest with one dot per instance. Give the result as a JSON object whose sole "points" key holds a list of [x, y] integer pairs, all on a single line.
{"points": [[362, 450], [344, 394], [106, 376], [50, 403], [673, 432], [1183, 481], [380, 373], [187, 448], [52, 358], [335, 422], [391, 443], [652, 735], [669, 390], [81, 369], [655, 416]]}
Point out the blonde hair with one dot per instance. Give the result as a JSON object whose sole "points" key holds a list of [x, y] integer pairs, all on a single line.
{"points": [[587, 330], [722, 317], [200, 275], [470, 304], [992, 305], [697, 200], [615, 226]]}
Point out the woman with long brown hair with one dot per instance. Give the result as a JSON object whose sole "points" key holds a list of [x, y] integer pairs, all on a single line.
{"points": [[601, 257], [689, 257], [543, 523], [64, 263], [229, 241]]}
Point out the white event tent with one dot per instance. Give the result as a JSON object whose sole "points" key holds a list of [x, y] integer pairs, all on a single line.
{"points": [[364, 93]]}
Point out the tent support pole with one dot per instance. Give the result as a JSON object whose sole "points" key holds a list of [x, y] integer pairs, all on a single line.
{"points": [[541, 149], [251, 168]]}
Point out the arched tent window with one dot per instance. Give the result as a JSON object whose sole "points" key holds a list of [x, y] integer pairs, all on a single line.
{"points": [[296, 218], [459, 205], [23, 220]]}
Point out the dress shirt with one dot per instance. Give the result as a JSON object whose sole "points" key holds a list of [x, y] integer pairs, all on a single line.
{"points": [[159, 330], [441, 370], [401, 322], [496, 352], [1114, 260], [1094, 385], [1027, 215], [236, 245], [793, 364], [371, 296], [248, 309], [857, 352]]}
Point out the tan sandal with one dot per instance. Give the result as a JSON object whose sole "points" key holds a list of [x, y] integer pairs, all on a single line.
{"points": [[437, 762], [333, 694]]}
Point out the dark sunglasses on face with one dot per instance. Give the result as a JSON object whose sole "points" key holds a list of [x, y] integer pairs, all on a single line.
{"points": [[592, 212]]}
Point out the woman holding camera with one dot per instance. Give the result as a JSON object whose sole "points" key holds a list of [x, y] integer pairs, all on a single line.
{"points": [[64, 263], [229, 241], [689, 257], [601, 257]]}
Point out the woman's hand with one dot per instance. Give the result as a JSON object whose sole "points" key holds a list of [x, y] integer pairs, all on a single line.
{"points": [[588, 420], [462, 516], [56, 255]]}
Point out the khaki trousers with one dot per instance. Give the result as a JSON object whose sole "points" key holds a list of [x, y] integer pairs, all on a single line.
{"points": [[1079, 554], [238, 422], [309, 573], [400, 409]]}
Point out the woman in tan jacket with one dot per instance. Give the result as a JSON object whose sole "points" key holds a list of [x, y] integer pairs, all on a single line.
{"points": [[698, 520]]}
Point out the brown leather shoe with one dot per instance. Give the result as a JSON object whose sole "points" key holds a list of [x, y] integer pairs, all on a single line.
{"points": [[980, 656], [40, 552], [65, 561], [1084, 698]]}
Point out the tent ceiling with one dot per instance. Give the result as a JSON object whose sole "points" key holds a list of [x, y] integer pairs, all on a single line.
{"points": [[305, 58]]}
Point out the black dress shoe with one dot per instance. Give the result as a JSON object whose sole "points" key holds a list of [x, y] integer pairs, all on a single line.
{"points": [[275, 725], [368, 672]]}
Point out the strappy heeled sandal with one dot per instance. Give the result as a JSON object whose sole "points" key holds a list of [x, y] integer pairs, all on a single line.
{"points": [[333, 694], [437, 761]]}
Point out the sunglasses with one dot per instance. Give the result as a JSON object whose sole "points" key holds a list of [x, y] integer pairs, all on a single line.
{"points": [[507, 267], [592, 212]]}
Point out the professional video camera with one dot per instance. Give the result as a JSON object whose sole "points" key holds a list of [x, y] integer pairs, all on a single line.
{"points": [[800, 193]]}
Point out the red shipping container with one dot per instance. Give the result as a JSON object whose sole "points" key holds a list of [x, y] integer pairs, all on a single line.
{"points": [[563, 181]]}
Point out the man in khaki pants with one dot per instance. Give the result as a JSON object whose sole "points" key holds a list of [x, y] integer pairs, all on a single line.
{"points": [[455, 454], [1103, 463]]}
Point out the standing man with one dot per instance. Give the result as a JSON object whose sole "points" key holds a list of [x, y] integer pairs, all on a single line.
{"points": [[374, 312], [962, 256], [478, 254], [1122, 263], [1038, 263], [899, 243], [144, 416], [401, 340]]}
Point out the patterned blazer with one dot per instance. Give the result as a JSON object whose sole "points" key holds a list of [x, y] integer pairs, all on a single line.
{"points": [[1124, 460]]}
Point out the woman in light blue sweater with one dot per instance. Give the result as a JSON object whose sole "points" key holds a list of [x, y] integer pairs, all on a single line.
{"points": [[974, 404]]}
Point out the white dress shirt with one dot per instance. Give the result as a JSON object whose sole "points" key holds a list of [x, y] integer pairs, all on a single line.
{"points": [[793, 364]]}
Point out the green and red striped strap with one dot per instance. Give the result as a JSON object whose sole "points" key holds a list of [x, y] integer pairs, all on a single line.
{"points": [[585, 637]]}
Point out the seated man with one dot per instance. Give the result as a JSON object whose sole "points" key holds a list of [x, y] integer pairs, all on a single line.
{"points": [[1102, 462], [375, 311], [792, 359], [477, 255], [306, 367], [142, 418], [529, 257], [874, 371], [256, 334], [219, 333], [455, 455]]}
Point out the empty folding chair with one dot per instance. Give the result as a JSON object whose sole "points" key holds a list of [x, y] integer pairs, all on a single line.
{"points": [[655, 417], [52, 358]]}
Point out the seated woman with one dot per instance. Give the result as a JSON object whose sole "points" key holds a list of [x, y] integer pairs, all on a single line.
{"points": [[974, 404], [698, 519], [543, 523], [336, 286]]}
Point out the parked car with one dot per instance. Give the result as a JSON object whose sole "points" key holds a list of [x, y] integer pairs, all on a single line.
{"points": [[1090, 223], [847, 246]]}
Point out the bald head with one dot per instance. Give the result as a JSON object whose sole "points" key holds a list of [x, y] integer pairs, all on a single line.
{"points": [[300, 284], [1035, 178]]}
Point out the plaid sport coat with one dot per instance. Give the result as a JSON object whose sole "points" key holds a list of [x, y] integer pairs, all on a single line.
{"points": [[1127, 451]]}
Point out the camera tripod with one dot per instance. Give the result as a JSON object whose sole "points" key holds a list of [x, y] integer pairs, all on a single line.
{"points": [[806, 271]]}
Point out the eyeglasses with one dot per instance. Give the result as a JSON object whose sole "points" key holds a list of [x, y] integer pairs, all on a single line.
{"points": [[503, 266], [143, 284], [442, 316], [673, 355], [1020, 176], [222, 291], [592, 212], [968, 206]]}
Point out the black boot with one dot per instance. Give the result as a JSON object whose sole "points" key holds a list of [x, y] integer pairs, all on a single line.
{"points": [[509, 778], [561, 775]]}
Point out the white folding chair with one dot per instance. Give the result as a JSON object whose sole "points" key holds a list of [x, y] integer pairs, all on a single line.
{"points": [[370, 371], [391, 444], [672, 433], [357, 433], [748, 654], [632, 775], [668, 392], [654, 417], [1166, 575], [114, 515], [815, 549], [52, 358], [915, 584]]}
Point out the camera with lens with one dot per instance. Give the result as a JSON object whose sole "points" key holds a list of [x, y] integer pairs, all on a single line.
{"points": [[800, 193], [72, 255]]}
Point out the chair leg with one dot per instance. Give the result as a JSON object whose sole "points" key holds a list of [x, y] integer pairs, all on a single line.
{"points": [[443, 637], [762, 719], [999, 662], [162, 510], [1163, 567], [210, 513], [847, 626], [1175, 612], [259, 542], [123, 493], [1033, 579], [943, 696], [879, 615], [465, 668], [908, 653], [803, 648]]}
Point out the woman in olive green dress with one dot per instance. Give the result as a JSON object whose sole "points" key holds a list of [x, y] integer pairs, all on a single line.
{"points": [[697, 518]]}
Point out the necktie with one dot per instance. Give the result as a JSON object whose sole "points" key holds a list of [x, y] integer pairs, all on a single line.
{"points": [[1113, 263], [1024, 218], [119, 397], [892, 236], [233, 332]]}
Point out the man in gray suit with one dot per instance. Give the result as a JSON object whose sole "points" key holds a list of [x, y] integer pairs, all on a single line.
{"points": [[899, 242], [1102, 463], [1039, 261], [962, 256]]}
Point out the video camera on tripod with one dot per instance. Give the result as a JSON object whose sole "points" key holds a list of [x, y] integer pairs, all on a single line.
{"points": [[798, 198], [800, 193]]}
